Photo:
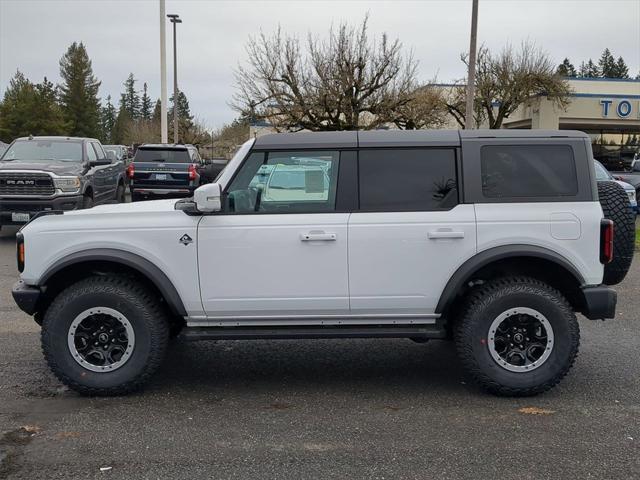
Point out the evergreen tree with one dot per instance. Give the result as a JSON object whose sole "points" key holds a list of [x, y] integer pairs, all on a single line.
{"points": [[607, 64], [130, 98], [588, 70], [108, 121], [121, 126], [79, 92], [621, 70], [185, 119], [145, 105], [566, 69], [157, 111], [30, 109]]}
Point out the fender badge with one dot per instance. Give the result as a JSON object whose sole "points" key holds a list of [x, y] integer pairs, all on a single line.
{"points": [[185, 239]]}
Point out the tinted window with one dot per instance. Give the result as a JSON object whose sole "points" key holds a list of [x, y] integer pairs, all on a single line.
{"points": [[528, 171], [281, 182], [415, 179], [44, 151], [162, 155]]}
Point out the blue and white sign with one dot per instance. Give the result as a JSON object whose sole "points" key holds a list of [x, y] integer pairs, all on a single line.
{"points": [[622, 108]]}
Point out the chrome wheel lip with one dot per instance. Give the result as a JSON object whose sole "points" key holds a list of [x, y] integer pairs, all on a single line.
{"points": [[78, 357], [529, 366]]}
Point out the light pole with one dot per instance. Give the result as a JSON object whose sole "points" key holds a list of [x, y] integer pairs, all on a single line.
{"points": [[471, 75], [175, 19], [163, 76]]}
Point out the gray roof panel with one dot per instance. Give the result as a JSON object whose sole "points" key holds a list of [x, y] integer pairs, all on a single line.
{"points": [[521, 133], [303, 140], [408, 138]]}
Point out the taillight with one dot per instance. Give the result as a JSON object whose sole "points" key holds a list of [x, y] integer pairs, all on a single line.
{"points": [[193, 174], [606, 241], [20, 251], [131, 170]]}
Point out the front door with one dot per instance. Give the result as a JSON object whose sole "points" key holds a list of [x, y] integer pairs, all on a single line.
{"points": [[410, 234], [278, 251]]}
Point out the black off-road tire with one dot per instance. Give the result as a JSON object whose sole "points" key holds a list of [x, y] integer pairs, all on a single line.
{"points": [[616, 207], [486, 303], [87, 201], [130, 298]]}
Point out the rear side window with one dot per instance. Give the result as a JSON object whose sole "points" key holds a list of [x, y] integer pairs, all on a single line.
{"points": [[518, 171], [407, 179]]}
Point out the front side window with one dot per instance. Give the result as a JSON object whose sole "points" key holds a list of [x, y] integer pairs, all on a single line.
{"points": [[91, 153], [407, 179], [520, 171], [283, 182]]}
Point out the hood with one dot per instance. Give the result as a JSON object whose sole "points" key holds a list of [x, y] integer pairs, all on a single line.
{"points": [[627, 187], [126, 208], [57, 167]]}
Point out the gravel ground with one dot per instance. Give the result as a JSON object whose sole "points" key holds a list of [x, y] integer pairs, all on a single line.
{"points": [[321, 409]]}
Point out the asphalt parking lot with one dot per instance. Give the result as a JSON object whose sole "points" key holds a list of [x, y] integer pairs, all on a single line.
{"points": [[321, 409]]}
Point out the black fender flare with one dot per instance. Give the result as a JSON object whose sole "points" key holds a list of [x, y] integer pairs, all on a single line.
{"points": [[140, 264], [465, 272]]}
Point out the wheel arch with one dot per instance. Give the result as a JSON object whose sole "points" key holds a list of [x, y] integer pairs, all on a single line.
{"points": [[101, 260], [528, 260]]}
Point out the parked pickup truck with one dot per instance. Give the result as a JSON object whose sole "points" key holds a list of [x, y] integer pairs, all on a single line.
{"points": [[493, 239], [631, 177], [56, 173]]}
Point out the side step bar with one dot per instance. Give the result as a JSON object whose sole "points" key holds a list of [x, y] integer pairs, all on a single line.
{"points": [[301, 332]]}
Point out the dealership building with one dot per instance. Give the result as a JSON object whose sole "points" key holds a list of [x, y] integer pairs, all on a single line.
{"points": [[607, 109]]}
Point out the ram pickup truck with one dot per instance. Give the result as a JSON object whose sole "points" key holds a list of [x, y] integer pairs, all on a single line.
{"points": [[492, 239], [40, 174]]}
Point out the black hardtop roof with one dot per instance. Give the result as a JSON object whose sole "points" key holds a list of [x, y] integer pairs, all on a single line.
{"points": [[396, 138], [59, 138]]}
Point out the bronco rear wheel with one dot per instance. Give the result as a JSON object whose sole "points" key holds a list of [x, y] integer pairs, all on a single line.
{"points": [[517, 336], [105, 335]]}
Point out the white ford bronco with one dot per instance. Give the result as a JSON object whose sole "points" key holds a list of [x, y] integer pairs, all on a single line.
{"points": [[493, 239]]}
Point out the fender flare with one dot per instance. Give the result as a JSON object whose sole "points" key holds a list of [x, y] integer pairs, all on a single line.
{"points": [[464, 273], [140, 264]]}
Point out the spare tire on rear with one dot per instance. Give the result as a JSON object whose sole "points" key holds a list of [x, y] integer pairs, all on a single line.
{"points": [[616, 207]]}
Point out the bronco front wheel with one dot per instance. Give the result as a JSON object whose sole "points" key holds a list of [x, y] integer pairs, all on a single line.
{"points": [[105, 335]]}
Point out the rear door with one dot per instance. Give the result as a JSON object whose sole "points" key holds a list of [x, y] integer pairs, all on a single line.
{"points": [[410, 234], [273, 260]]}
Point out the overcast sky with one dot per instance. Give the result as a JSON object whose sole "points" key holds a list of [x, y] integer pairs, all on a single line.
{"points": [[123, 36]]}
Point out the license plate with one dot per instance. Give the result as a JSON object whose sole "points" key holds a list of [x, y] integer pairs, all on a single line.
{"points": [[19, 217], [161, 176]]}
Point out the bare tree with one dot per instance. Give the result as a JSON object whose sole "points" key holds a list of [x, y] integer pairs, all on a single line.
{"points": [[506, 81], [424, 108], [346, 82]]}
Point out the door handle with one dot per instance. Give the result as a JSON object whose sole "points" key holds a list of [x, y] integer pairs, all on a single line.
{"points": [[318, 237], [435, 235]]}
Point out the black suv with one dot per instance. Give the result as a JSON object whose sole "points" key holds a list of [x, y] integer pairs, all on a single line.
{"points": [[164, 169], [56, 173]]}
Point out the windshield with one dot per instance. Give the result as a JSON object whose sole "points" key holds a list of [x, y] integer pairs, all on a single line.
{"points": [[44, 151], [162, 155], [601, 172]]}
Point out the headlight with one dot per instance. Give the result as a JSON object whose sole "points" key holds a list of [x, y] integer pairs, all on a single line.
{"points": [[67, 184], [632, 195]]}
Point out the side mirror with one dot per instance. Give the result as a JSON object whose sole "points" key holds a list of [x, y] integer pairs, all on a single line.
{"points": [[208, 198], [100, 162]]}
